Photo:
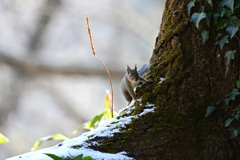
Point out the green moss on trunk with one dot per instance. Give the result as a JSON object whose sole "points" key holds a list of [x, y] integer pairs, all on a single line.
{"points": [[196, 77]]}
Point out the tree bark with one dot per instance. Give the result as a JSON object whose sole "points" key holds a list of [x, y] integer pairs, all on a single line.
{"points": [[197, 76]]}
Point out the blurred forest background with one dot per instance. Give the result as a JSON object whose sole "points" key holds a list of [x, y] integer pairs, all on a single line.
{"points": [[50, 82]]}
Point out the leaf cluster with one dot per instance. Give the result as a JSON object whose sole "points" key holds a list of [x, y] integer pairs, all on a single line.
{"points": [[235, 113], [224, 16]]}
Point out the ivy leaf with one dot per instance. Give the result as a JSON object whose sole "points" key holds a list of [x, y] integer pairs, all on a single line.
{"points": [[218, 102], [197, 17], [219, 3], [232, 30], [227, 100], [222, 41], [233, 24], [233, 94], [233, 132], [221, 23], [232, 21], [238, 83], [201, 9], [221, 11], [237, 116], [189, 6], [208, 19], [205, 36], [228, 122], [228, 3], [209, 110], [237, 4], [218, 36], [210, 2], [230, 55], [237, 109]]}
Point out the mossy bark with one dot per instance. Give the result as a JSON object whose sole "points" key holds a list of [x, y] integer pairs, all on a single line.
{"points": [[196, 76]]}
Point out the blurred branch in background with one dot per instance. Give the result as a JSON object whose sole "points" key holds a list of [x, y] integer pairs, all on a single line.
{"points": [[47, 11], [31, 68], [49, 82]]}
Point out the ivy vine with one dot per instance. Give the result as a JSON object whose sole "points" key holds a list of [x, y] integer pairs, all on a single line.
{"points": [[225, 15], [234, 113]]}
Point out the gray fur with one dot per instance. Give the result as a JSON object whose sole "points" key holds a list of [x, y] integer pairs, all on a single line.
{"points": [[132, 79]]}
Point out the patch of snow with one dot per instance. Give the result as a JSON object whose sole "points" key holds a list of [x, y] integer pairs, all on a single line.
{"points": [[107, 129], [161, 80]]}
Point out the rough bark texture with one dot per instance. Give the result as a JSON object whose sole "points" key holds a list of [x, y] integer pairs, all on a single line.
{"points": [[196, 76]]}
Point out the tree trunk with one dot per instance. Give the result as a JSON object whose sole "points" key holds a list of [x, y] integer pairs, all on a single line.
{"points": [[197, 76]]}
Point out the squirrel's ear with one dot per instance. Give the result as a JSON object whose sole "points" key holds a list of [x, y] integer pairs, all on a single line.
{"points": [[135, 66], [128, 69]]}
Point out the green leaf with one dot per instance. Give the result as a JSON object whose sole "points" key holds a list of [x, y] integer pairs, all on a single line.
{"points": [[237, 109], [228, 3], [95, 121], [230, 55], [218, 102], [233, 132], [238, 83], [232, 30], [222, 41], [208, 19], [228, 122], [233, 94], [48, 138], [205, 36], [53, 156], [189, 7], [219, 4], [3, 139], [87, 158], [210, 2], [201, 9], [209, 110], [232, 21], [237, 4], [197, 17], [79, 157], [221, 23], [218, 36], [227, 100], [222, 11], [237, 116], [233, 24]]}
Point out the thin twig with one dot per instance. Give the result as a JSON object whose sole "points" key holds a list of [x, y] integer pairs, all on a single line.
{"points": [[94, 53], [237, 38]]}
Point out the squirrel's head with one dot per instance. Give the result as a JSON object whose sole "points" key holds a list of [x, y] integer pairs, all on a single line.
{"points": [[132, 74]]}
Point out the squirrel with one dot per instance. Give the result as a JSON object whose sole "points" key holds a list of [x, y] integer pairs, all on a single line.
{"points": [[132, 79]]}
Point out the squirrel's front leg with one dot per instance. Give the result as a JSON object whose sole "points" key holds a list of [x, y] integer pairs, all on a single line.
{"points": [[131, 92], [144, 80]]}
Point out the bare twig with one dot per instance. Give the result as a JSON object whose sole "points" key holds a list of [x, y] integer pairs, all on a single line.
{"points": [[237, 38], [94, 53]]}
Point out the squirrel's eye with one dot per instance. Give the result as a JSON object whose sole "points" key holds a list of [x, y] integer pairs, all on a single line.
{"points": [[130, 75]]}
